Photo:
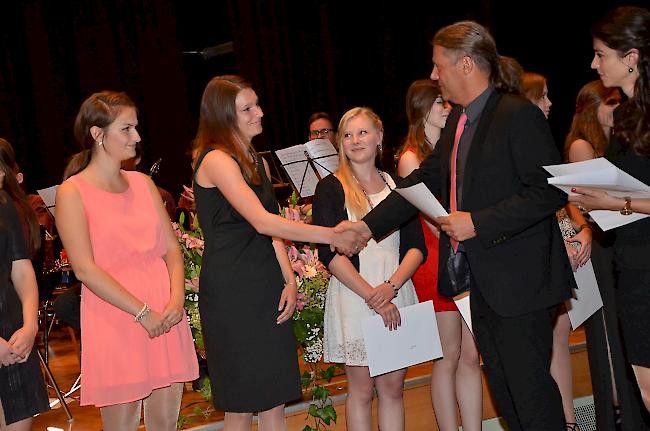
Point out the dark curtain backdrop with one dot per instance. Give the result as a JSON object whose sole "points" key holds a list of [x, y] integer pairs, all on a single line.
{"points": [[302, 56], [57, 53]]}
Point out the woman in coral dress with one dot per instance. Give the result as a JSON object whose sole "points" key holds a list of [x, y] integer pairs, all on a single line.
{"points": [[456, 378], [137, 345]]}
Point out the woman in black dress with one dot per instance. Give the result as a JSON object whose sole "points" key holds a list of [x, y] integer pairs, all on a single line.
{"points": [[22, 389], [622, 59], [248, 289]]}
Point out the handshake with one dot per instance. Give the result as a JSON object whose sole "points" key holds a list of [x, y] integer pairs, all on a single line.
{"points": [[349, 237]]}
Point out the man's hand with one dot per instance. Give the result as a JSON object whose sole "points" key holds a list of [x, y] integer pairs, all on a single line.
{"points": [[457, 225], [350, 237]]}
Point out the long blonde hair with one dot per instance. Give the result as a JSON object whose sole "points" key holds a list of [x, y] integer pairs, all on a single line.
{"points": [[355, 199]]}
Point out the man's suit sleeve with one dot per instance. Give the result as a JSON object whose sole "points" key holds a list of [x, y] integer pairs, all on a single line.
{"points": [[531, 146], [394, 211]]}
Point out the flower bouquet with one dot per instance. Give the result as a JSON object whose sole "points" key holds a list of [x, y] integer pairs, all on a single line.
{"points": [[312, 280], [191, 243]]}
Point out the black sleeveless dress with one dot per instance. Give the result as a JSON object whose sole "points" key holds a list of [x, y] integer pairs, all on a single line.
{"points": [[252, 361], [22, 389]]}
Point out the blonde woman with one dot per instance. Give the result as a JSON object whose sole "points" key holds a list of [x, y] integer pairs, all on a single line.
{"points": [[377, 280]]}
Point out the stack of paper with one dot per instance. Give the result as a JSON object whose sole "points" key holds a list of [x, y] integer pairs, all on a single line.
{"points": [[600, 174]]}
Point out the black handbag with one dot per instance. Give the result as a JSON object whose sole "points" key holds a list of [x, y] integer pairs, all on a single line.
{"points": [[459, 275]]}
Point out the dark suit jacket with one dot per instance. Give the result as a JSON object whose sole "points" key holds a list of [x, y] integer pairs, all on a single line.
{"points": [[518, 260]]}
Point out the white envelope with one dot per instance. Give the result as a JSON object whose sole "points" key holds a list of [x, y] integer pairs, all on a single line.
{"points": [[586, 300], [462, 303], [415, 341]]}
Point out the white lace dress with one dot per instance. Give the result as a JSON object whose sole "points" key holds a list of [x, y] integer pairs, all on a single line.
{"points": [[344, 309]]}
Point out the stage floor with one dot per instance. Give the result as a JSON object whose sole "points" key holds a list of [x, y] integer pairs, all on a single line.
{"points": [[199, 414]]}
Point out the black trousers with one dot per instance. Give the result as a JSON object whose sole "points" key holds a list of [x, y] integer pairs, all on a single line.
{"points": [[516, 355]]}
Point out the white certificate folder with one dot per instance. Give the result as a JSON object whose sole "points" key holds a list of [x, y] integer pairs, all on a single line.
{"points": [[600, 174], [415, 341]]}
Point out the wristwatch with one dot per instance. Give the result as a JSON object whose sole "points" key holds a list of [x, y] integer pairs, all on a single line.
{"points": [[627, 208]]}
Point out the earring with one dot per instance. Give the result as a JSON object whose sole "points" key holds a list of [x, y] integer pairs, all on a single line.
{"points": [[100, 143], [630, 70], [379, 147]]}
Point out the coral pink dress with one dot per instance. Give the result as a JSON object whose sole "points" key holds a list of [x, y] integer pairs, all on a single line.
{"points": [[119, 362]]}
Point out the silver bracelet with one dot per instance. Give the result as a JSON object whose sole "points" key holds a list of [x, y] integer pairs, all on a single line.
{"points": [[143, 312]]}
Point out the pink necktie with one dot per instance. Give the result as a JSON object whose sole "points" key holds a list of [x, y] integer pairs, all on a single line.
{"points": [[454, 152]]}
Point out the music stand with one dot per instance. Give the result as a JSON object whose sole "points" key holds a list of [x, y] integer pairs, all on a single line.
{"points": [[306, 164], [46, 288], [58, 392]]}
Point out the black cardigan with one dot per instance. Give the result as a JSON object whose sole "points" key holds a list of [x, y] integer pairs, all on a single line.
{"points": [[329, 209]]}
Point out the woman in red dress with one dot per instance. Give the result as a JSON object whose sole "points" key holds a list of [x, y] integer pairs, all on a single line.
{"points": [[456, 378]]}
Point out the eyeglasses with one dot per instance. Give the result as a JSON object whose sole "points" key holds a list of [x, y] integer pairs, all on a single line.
{"points": [[320, 132]]}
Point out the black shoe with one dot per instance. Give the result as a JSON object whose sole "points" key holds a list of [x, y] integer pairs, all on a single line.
{"points": [[572, 426]]}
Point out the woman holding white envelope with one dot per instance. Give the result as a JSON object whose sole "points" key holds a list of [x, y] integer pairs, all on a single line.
{"points": [[376, 281], [621, 42]]}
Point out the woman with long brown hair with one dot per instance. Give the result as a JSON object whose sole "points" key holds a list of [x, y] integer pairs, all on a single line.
{"points": [[22, 389], [455, 378], [248, 288]]}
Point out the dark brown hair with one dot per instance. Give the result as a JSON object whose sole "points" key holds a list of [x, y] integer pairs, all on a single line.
{"points": [[420, 97], [10, 184], [513, 75], [532, 86], [218, 124], [585, 124], [98, 110], [623, 29]]}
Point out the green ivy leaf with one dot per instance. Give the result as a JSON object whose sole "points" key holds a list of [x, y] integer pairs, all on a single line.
{"points": [[305, 379], [313, 410], [308, 428], [320, 393], [328, 373], [330, 412], [323, 414], [300, 331]]}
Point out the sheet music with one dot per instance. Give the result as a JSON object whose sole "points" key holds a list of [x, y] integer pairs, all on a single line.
{"points": [[600, 173], [326, 159], [295, 161], [303, 177], [49, 197]]}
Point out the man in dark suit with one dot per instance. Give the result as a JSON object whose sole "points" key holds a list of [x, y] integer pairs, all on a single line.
{"points": [[503, 220]]}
